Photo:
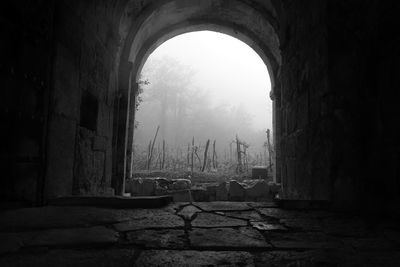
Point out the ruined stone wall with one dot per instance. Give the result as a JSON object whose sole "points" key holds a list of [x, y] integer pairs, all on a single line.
{"points": [[339, 138], [85, 80], [305, 133], [59, 77], [25, 65], [364, 56]]}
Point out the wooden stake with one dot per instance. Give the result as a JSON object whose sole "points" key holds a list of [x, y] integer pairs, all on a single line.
{"points": [[191, 168], [152, 147], [163, 154], [205, 156]]}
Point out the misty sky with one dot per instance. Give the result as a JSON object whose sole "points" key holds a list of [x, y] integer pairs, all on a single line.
{"points": [[227, 68]]}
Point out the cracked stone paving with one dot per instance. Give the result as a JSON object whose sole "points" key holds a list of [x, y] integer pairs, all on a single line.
{"points": [[195, 234]]}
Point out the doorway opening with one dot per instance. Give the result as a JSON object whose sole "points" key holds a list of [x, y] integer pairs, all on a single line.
{"points": [[203, 120]]}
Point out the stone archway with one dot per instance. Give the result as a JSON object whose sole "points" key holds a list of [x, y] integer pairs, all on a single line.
{"points": [[144, 28]]}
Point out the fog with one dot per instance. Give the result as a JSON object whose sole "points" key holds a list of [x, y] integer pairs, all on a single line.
{"points": [[205, 85]]}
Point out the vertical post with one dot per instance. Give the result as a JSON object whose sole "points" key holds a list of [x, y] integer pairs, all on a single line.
{"points": [[230, 152], [131, 129], [191, 169], [269, 149], [121, 130], [163, 154], [188, 156], [239, 156], [205, 156], [277, 131], [152, 148]]}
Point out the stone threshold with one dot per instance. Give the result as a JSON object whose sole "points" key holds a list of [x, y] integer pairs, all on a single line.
{"points": [[115, 202]]}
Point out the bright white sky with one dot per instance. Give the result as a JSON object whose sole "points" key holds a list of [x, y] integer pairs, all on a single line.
{"points": [[229, 69]]}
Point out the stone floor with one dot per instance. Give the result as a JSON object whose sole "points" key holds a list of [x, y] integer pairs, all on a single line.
{"points": [[198, 234]]}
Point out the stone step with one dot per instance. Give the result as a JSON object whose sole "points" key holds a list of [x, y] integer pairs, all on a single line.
{"points": [[115, 202]]}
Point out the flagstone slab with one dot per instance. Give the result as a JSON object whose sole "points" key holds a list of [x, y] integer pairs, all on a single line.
{"points": [[188, 212], [222, 206], [210, 220], [245, 237], [250, 215], [268, 204]]}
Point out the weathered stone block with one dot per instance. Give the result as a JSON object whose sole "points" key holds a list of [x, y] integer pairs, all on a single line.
{"points": [[236, 191], [103, 119], [189, 212], [211, 191], [259, 172], [148, 187], [221, 193], [134, 186], [211, 220], [180, 184], [161, 191], [274, 188], [258, 190], [223, 206], [163, 182], [89, 165], [199, 194]]}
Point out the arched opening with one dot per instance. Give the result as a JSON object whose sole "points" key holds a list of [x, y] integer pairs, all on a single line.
{"points": [[164, 20], [203, 88]]}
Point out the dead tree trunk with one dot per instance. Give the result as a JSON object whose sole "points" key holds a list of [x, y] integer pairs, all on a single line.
{"points": [[246, 163], [239, 156], [163, 154], [205, 156], [188, 156], [215, 157], [230, 153], [191, 168], [148, 155], [197, 155], [152, 148], [269, 149]]}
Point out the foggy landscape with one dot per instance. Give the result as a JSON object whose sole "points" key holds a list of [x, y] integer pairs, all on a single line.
{"points": [[203, 86]]}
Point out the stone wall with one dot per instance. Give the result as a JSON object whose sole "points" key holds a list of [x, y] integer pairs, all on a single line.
{"points": [[64, 105], [81, 122], [363, 74], [26, 53], [336, 119], [302, 113]]}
